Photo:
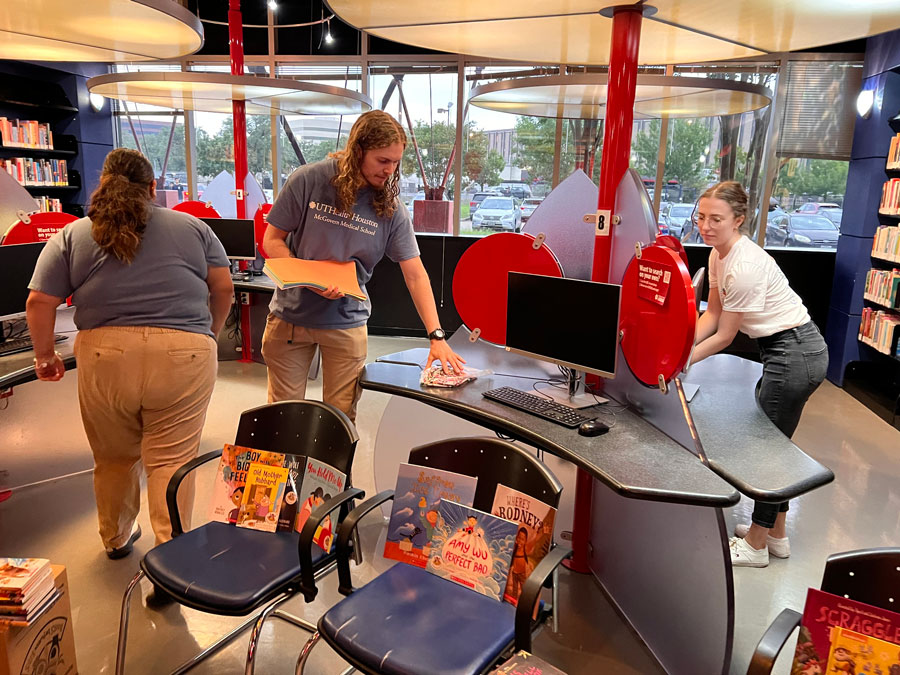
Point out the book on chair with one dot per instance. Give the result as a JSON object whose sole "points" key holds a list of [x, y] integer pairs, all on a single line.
{"points": [[321, 482], [415, 509], [263, 493], [231, 477]]}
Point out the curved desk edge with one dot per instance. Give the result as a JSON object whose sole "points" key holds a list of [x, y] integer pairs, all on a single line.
{"points": [[27, 374], [801, 487]]}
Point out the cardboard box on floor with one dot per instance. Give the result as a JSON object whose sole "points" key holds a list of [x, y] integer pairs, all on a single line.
{"points": [[45, 647]]}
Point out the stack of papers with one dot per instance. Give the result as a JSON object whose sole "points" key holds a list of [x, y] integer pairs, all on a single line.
{"points": [[321, 274], [26, 589]]}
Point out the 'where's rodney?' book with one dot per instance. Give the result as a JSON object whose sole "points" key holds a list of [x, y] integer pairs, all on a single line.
{"points": [[228, 490], [824, 613], [414, 512], [472, 548]]}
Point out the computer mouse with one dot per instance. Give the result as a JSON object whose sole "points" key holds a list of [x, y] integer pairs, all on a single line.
{"points": [[592, 428]]}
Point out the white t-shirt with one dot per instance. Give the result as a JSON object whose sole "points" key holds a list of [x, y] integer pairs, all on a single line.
{"points": [[748, 281]]}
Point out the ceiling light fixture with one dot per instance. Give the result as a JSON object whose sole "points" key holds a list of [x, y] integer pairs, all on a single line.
{"points": [[328, 38], [273, 5], [864, 103]]}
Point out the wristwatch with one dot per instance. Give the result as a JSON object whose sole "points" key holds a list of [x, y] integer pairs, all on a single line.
{"points": [[437, 334]]}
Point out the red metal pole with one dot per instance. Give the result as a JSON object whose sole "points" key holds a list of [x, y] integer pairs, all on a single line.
{"points": [[239, 117], [623, 53]]}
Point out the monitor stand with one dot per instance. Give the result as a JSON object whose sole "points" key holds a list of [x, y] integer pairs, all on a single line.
{"points": [[575, 397]]}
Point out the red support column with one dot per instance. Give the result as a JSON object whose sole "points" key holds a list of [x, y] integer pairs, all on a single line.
{"points": [[239, 117], [623, 54]]}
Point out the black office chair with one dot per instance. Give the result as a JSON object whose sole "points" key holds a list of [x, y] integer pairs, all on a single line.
{"points": [[408, 621], [871, 576], [216, 567]]}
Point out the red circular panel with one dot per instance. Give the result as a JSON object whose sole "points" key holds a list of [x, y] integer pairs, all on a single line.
{"points": [[260, 223], [673, 243], [658, 315], [480, 280], [41, 228], [198, 209]]}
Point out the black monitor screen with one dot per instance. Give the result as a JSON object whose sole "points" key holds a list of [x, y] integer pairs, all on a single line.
{"points": [[16, 267], [570, 322], [237, 236]]}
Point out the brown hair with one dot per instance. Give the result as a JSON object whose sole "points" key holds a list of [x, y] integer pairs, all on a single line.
{"points": [[372, 131], [120, 206], [733, 193]]}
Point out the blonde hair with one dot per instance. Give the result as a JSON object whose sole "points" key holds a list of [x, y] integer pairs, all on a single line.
{"points": [[733, 193], [120, 206], [372, 131]]}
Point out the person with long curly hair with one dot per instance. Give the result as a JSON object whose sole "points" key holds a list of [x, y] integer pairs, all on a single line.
{"points": [[345, 207], [151, 289]]}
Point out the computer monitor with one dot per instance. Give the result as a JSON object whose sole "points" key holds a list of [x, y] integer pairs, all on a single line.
{"points": [[16, 268], [570, 322], [237, 236]]}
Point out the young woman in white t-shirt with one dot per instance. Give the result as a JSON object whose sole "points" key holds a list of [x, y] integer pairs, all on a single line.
{"points": [[749, 293]]}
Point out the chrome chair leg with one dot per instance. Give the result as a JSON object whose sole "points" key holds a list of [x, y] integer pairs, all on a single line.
{"points": [[123, 622], [304, 653], [554, 598], [250, 664]]}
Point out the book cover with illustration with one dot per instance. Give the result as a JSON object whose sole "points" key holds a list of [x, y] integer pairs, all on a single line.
{"points": [[472, 548], [231, 476], [321, 482], [825, 612], [853, 653], [18, 576], [290, 503], [525, 663], [533, 539], [263, 493], [415, 509]]}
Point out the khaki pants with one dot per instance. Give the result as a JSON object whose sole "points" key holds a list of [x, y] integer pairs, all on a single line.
{"points": [[289, 350], [143, 393]]}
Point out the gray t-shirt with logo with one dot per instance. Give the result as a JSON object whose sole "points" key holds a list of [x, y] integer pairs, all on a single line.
{"points": [[307, 208], [164, 286]]}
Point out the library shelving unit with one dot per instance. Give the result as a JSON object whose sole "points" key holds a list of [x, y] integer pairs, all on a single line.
{"points": [[25, 98]]}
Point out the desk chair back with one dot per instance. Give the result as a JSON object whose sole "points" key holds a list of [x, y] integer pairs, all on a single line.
{"points": [[871, 576], [492, 461]]}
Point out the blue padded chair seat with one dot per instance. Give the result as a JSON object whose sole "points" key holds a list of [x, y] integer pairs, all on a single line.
{"points": [[225, 568], [431, 621]]}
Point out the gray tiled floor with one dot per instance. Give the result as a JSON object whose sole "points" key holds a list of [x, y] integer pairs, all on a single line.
{"points": [[41, 437]]}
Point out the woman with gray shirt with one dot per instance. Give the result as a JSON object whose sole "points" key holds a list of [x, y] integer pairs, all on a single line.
{"points": [[151, 289]]}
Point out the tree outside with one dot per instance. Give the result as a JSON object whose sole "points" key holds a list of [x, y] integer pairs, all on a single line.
{"points": [[810, 180], [686, 149]]}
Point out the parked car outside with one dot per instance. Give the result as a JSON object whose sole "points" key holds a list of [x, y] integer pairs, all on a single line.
{"points": [[807, 231], [830, 210], [527, 208], [498, 213], [477, 198], [677, 216]]}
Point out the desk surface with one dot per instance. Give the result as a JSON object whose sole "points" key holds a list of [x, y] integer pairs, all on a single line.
{"points": [[260, 283], [16, 369], [635, 459]]}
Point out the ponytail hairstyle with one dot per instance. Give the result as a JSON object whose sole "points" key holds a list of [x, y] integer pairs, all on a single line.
{"points": [[372, 131], [120, 206], [732, 193]]}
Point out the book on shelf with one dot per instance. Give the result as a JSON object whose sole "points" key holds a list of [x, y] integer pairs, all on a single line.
{"points": [[231, 479], [321, 274], [879, 329], [263, 493], [882, 287], [525, 663], [886, 243], [472, 548], [414, 512], [321, 482], [826, 627], [893, 158], [30, 172], [890, 197], [533, 539], [16, 133]]}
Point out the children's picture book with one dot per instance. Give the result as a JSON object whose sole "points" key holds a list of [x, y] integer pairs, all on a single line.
{"points": [[853, 653], [824, 613], [263, 493], [525, 663], [290, 503], [231, 476], [533, 539], [19, 575], [320, 274], [414, 512], [321, 482], [472, 548]]}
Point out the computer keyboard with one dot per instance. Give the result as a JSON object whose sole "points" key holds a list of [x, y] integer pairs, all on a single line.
{"points": [[537, 405], [23, 344]]}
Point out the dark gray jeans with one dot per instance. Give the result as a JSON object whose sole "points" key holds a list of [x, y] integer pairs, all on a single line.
{"points": [[794, 365]]}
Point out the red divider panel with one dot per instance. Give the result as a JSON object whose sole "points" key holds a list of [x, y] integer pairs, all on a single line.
{"points": [[658, 315], [480, 280], [260, 223], [198, 209], [41, 227]]}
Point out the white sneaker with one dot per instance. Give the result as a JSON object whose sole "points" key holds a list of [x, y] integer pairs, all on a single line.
{"points": [[780, 548], [744, 555]]}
